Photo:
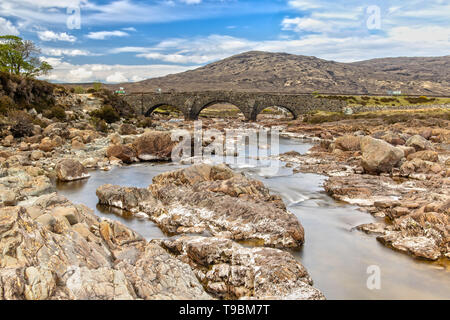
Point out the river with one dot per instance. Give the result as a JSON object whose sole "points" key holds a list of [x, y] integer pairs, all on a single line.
{"points": [[335, 254]]}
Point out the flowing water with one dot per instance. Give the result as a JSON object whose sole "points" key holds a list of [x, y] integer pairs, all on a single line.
{"points": [[336, 255]]}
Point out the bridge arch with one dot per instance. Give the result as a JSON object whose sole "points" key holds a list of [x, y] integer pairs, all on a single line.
{"points": [[283, 108], [197, 111], [158, 105], [261, 107]]}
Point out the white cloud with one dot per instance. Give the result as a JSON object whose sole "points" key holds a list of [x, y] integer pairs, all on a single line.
{"points": [[48, 35], [304, 4], [432, 35], [129, 49], [57, 52], [176, 58], [116, 78], [72, 73], [80, 74], [305, 24], [102, 35], [400, 41], [7, 28], [427, 10], [51, 3], [191, 1]]}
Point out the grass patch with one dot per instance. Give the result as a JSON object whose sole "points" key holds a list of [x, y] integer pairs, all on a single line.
{"points": [[393, 101], [389, 117], [167, 110], [221, 111]]}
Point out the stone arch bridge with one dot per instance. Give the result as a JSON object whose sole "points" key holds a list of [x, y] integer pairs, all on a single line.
{"points": [[250, 103]]}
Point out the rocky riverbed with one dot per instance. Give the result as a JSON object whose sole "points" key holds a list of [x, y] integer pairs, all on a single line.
{"points": [[399, 173], [54, 249]]}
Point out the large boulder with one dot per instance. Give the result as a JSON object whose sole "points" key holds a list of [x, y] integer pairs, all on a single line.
{"points": [[419, 143], [213, 199], [154, 145], [126, 198], [125, 153], [379, 156], [70, 170], [47, 145], [57, 129], [195, 174]]}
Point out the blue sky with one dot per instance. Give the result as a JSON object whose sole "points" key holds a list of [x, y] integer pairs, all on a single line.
{"points": [[131, 40]]}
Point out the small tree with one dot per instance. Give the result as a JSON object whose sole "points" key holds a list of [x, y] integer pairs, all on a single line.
{"points": [[79, 90], [20, 57], [97, 86]]}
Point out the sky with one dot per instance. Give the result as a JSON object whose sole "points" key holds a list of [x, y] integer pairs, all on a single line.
{"points": [[116, 41]]}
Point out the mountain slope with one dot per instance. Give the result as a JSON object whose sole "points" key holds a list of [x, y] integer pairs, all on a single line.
{"points": [[281, 72]]}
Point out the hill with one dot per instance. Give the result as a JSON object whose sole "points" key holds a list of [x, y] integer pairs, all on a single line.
{"points": [[281, 72]]}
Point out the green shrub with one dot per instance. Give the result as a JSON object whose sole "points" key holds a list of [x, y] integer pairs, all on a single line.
{"points": [[97, 86], [116, 101], [37, 121], [421, 99], [106, 113], [386, 100], [79, 90], [57, 112], [21, 123], [6, 104], [144, 122], [99, 124]]}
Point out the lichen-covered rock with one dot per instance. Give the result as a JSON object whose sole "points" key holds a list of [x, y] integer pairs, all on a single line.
{"points": [[72, 254], [379, 156], [231, 271], [155, 267], [70, 170]]}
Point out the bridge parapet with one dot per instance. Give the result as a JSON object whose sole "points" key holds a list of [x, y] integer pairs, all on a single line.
{"points": [[250, 103]]}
